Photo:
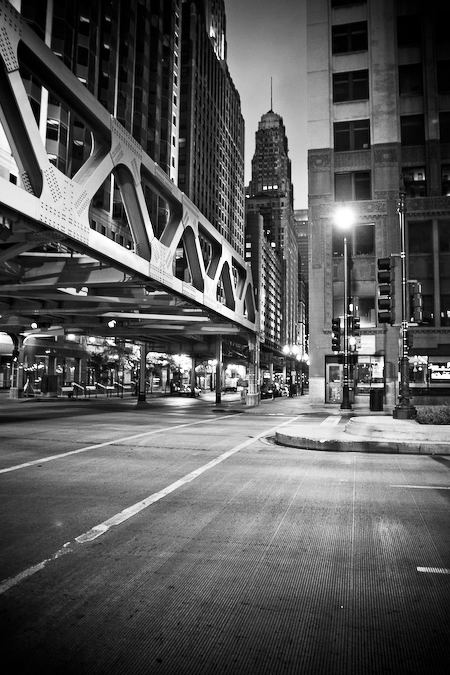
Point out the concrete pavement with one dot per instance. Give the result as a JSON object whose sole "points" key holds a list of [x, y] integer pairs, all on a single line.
{"points": [[363, 431], [355, 430]]}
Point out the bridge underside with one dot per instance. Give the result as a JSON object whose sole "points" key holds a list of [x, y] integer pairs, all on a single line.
{"points": [[59, 273], [61, 291]]}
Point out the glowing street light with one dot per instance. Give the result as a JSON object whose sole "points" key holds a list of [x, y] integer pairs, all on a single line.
{"points": [[344, 219]]}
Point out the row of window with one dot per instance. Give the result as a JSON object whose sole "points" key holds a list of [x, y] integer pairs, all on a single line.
{"points": [[355, 134], [361, 239], [353, 37], [357, 185], [354, 85]]}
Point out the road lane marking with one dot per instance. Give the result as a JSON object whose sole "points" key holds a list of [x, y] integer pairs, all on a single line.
{"points": [[103, 445], [331, 421], [423, 487], [434, 570], [127, 513]]}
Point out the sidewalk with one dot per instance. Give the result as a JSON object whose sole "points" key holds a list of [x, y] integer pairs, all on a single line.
{"points": [[364, 430]]}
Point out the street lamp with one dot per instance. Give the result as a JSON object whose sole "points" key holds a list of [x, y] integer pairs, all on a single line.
{"points": [[344, 219], [292, 354]]}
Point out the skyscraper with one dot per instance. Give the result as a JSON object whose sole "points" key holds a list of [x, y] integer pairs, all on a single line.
{"points": [[211, 146], [127, 54], [379, 109], [270, 194]]}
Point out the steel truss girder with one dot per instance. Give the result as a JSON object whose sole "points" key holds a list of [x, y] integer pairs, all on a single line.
{"points": [[55, 203]]}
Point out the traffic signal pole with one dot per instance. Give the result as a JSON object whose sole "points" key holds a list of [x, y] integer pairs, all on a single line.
{"points": [[346, 405], [404, 409]]}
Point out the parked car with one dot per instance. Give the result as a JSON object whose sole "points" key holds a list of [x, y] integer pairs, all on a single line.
{"points": [[267, 391], [186, 390]]}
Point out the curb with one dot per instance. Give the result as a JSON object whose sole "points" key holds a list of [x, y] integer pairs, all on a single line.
{"points": [[355, 444]]}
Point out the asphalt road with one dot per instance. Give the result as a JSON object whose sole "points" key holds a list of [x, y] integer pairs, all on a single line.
{"points": [[170, 538]]}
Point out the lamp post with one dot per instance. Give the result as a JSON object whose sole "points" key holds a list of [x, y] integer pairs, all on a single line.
{"points": [[404, 409], [344, 219], [293, 358]]}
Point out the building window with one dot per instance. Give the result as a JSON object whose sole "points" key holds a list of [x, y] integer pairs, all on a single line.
{"points": [[445, 310], [415, 181], [410, 79], [361, 241], [342, 3], [409, 30], [412, 129], [445, 172], [349, 37], [444, 236], [352, 186], [444, 127], [364, 307], [351, 86], [351, 135], [420, 238], [443, 76]]}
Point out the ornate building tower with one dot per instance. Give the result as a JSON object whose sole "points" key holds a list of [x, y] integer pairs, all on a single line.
{"points": [[270, 194]]}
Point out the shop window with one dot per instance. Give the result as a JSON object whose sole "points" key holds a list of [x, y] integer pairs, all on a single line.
{"points": [[351, 86], [412, 130], [443, 76], [410, 79], [415, 181], [352, 186], [349, 37], [409, 30], [444, 127], [354, 135]]}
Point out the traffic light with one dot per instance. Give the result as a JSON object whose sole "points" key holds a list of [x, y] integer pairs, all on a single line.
{"points": [[336, 335], [386, 290], [417, 303], [354, 328]]}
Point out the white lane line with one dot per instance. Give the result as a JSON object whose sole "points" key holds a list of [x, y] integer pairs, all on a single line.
{"points": [[331, 421], [423, 487], [104, 445], [434, 570], [100, 529]]}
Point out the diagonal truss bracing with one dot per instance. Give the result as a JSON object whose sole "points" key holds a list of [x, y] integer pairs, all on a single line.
{"points": [[61, 205]]}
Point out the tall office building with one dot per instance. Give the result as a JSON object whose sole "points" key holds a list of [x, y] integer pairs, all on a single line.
{"points": [[379, 108], [270, 194], [127, 54], [158, 66], [211, 151]]}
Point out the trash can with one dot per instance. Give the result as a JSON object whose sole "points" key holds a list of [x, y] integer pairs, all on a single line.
{"points": [[376, 399]]}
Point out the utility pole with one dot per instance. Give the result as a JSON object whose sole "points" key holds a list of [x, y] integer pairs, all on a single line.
{"points": [[404, 409]]}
